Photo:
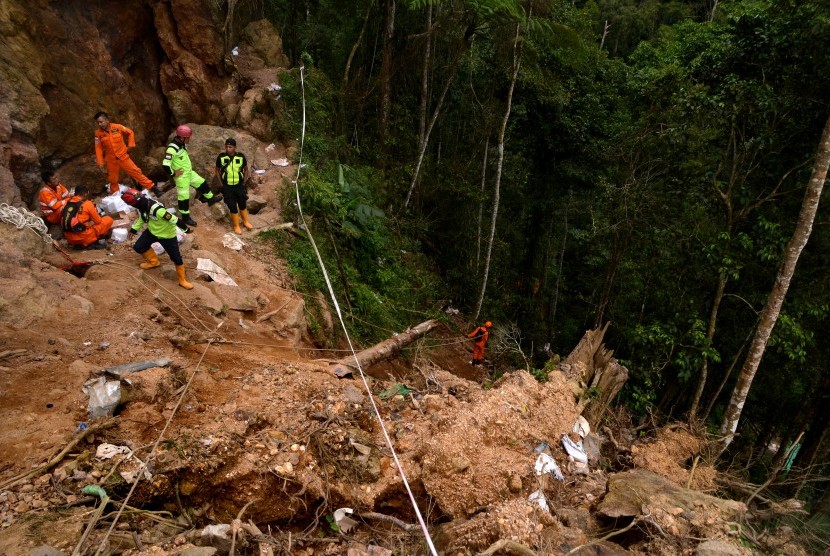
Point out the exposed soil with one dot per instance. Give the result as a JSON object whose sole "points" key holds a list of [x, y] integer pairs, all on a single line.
{"points": [[266, 427]]}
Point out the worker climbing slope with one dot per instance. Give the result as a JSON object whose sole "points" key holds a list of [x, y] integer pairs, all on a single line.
{"points": [[161, 228], [178, 165], [480, 337], [112, 150]]}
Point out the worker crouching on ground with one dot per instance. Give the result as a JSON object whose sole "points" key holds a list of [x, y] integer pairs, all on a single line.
{"points": [[112, 150], [52, 198], [177, 163], [232, 172], [480, 337], [82, 226], [161, 227]]}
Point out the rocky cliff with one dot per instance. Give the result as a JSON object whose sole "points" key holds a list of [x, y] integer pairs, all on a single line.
{"points": [[151, 64]]}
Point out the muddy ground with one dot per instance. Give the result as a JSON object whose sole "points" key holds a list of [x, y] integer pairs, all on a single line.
{"points": [[263, 440]]}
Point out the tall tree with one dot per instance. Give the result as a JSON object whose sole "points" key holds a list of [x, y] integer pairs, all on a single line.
{"points": [[769, 315]]}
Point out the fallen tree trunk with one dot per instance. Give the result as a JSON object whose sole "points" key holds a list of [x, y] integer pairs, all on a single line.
{"points": [[390, 347]]}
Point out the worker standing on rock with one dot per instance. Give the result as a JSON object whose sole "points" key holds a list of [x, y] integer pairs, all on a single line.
{"points": [[82, 226], [480, 337], [52, 198], [161, 227], [232, 172], [177, 163], [112, 149]]}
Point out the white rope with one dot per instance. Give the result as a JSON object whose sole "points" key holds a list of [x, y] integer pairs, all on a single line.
{"points": [[346, 332], [20, 218]]}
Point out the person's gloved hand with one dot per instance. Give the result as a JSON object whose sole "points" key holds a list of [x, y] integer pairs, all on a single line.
{"points": [[131, 233]]}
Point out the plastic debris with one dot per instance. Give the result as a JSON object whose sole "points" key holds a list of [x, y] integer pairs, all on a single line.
{"points": [[109, 451], [104, 396], [95, 490], [260, 172], [396, 390], [119, 371], [540, 448], [362, 448], [340, 372], [274, 87], [235, 51], [270, 147], [243, 325], [119, 235], [538, 498], [581, 427], [104, 345], [575, 451], [215, 272], [81, 427], [232, 241], [217, 536], [546, 464], [280, 162], [342, 519]]}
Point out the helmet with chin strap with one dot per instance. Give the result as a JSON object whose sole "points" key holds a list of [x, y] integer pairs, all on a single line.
{"points": [[131, 196], [184, 131]]}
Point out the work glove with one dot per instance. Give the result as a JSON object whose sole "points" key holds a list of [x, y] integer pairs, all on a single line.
{"points": [[131, 233]]}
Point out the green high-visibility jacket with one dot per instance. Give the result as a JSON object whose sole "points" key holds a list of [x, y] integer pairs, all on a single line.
{"points": [[161, 223], [231, 168], [176, 158]]}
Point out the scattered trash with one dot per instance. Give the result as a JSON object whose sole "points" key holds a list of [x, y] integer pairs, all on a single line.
{"points": [[104, 345], [243, 325], [340, 372], [232, 241], [235, 51], [216, 272], [575, 451], [112, 204], [540, 448], [538, 498], [273, 87], [342, 519], [95, 490], [396, 390], [217, 536], [362, 448], [546, 464], [109, 451], [581, 427], [81, 427], [104, 396], [270, 147], [87, 343], [259, 172], [280, 162], [119, 235], [119, 371]]}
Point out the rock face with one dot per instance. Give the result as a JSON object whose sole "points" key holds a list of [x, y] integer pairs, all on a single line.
{"points": [[150, 64]]}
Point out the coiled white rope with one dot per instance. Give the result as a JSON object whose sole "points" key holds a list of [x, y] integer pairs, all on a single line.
{"points": [[386, 437], [20, 218]]}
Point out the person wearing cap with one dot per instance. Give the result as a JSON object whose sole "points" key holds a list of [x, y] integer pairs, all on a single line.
{"points": [[112, 149], [480, 337], [161, 228], [232, 173], [177, 163], [52, 198]]}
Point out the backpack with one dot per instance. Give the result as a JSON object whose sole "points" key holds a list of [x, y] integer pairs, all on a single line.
{"points": [[69, 217]]}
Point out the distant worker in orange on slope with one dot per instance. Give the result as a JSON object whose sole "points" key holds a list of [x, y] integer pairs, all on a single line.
{"points": [[112, 147], [52, 197], [480, 337], [82, 226]]}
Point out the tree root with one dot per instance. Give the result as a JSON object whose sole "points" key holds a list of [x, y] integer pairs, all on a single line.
{"points": [[388, 519], [510, 546]]}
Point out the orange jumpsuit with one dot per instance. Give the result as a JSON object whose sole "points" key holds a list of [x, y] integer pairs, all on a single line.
{"points": [[111, 148], [97, 225], [52, 202], [478, 346]]}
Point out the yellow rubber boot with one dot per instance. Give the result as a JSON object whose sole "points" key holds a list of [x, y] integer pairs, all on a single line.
{"points": [[235, 220], [244, 214], [183, 277], [151, 258]]}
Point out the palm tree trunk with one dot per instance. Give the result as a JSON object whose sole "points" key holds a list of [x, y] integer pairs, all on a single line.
{"points": [[769, 315]]}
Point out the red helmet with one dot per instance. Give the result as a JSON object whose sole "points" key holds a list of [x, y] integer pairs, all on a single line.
{"points": [[130, 196], [184, 131], [488, 324]]}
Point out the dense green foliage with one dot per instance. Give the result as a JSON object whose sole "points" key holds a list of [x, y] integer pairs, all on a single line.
{"points": [[655, 150]]}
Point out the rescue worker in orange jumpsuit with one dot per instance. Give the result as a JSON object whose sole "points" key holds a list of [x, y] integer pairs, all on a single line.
{"points": [[82, 226], [52, 198], [112, 145], [480, 336]]}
